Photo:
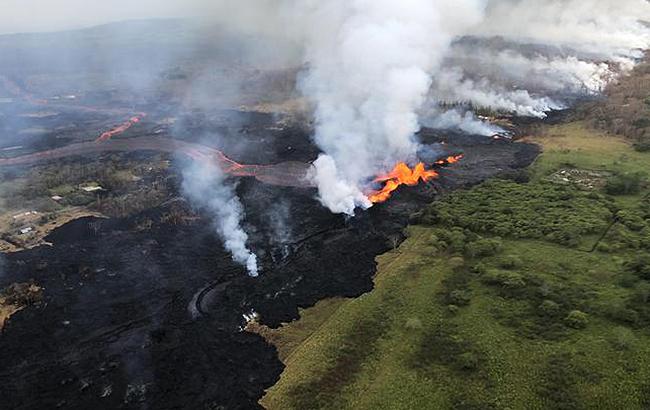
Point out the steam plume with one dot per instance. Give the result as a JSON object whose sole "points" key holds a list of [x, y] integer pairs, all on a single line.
{"points": [[204, 184]]}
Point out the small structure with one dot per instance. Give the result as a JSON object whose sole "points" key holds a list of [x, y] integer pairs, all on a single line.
{"points": [[91, 188], [26, 215]]}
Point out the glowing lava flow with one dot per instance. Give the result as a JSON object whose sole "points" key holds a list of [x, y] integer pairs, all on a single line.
{"points": [[121, 128], [403, 175], [449, 160]]}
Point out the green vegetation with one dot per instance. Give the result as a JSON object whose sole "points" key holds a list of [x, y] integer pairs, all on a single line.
{"points": [[509, 295], [626, 111], [558, 213]]}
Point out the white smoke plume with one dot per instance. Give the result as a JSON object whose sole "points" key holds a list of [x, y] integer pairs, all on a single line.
{"points": [[204, 185], [371, 65], [546, 56], [452, 86], [456, 119], [370, 68], [551, 74]]}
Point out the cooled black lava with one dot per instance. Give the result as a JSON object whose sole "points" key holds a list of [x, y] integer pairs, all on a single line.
{"points": [[153, 319]]}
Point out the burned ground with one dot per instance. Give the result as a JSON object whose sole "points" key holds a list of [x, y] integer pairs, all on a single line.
{"points": [[150, 315]]}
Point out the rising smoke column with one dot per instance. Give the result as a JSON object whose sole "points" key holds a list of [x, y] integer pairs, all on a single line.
{"points": [[370, 67], [204, 185]]}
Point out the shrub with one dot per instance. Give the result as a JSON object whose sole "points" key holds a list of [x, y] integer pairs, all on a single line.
{"points": [[452, 309], [483, 247], [622, 338], [632, 220], [549, 308], [508, 280], [469, 361], [413, 324], [457, 263], [624, 184], [642, 146], [480, 268], [460, 297], [620, 238], [641, 295], [577, 319], [558, 383], [510, 262], [639, 265], [451, 239], [641, 123]]}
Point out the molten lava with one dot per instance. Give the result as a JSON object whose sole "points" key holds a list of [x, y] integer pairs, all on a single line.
{"points": [[452, 159], [402, 174], [121, 128]]}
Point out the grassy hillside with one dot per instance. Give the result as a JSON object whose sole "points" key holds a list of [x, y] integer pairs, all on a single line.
{"points": [[510, 295]]}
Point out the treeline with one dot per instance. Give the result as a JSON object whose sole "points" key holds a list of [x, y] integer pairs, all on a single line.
{"points": [[626, 110], [542, 210]]}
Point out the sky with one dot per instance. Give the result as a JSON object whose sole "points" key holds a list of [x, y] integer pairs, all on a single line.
{"points": [[20, 16]]}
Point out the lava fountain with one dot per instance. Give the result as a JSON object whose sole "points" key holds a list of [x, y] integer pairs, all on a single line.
{"points": [[402, 174]]}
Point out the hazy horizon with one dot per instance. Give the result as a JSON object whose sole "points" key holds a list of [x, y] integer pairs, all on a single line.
{"points": [[37, 16]]}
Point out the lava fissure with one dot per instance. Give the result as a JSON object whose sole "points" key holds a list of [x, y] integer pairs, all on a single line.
{"points": [[105, 136]]}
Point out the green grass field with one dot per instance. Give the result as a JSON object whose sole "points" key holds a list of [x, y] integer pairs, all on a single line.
{"points": [[495, 302]]}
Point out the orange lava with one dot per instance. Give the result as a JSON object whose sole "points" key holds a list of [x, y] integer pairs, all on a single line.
{"points": [[402, 174], [121, 128], [450, 160]]}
